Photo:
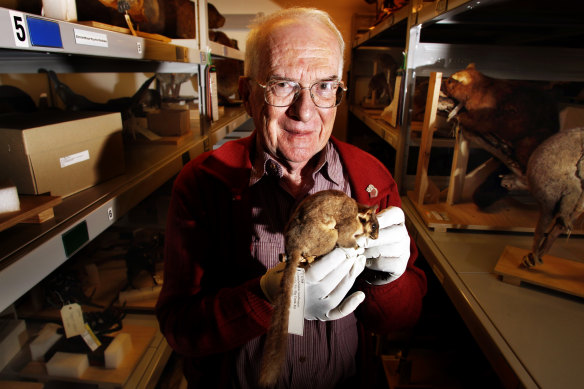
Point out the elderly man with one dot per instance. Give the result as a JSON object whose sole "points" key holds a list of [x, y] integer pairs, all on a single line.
{"points": [[229, 208]]}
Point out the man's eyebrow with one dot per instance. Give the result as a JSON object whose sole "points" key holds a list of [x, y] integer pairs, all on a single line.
{"points": [[282, 78]]}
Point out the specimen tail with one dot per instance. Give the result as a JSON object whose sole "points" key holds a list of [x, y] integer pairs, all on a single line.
{"points": [[277, 336]]}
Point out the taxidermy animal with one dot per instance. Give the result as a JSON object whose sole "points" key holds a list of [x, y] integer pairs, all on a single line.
{"points": [[379, 88], [509, 119], [172, 18], [128, 106], [222, 38], [228, 73], [382, 83], [555, 177], [320, 223]]}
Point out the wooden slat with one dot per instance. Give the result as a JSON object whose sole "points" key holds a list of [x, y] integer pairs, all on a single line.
{"points": [[458, 169], [425, 189]]}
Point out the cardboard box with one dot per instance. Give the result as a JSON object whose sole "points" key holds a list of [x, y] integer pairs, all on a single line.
{"points": [[60, 153], [169, 122]]}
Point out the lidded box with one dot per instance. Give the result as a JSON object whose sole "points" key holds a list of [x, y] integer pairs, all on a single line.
{"points": [[59, 152]]}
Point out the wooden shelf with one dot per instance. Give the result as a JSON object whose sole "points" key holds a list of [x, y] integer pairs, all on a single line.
{"points": [[371, 117]]}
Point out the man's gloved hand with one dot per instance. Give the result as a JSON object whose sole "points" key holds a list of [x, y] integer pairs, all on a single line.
{"points": [[270, 282], [328, 280], [390, 252]]}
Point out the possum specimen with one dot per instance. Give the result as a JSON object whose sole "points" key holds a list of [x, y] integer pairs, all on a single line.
{"points": [[555, 177], [321, 222], [507, 118]]}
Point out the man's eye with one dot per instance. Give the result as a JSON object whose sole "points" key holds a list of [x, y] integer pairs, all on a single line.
{"points": [[283, 86], [326, 86]]}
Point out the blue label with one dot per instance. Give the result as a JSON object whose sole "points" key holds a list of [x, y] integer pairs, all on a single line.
{"points": [[44, 32]]}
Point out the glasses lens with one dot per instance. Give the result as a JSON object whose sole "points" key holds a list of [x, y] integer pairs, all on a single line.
{"points": [[281, 93], [326, 94]]}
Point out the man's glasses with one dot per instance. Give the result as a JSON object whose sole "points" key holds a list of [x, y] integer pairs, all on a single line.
{"points": [[283, 93]]}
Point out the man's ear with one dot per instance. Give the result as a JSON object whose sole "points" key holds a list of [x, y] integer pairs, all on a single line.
{"points": [[245, 94]]}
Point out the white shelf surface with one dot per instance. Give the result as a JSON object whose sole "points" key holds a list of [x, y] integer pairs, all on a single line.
{"points": [[530, 335]]}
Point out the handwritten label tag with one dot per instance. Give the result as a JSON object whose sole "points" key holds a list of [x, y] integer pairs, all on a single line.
{"points": [[72, 317], [296, 317]]}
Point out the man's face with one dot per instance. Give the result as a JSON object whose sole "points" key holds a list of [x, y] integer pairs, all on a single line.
{"points": [[305, 53]]}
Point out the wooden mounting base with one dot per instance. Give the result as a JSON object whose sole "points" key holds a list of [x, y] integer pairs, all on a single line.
{"points": [[559, 274], [33, 209]]}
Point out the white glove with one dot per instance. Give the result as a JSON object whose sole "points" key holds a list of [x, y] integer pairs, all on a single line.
{"points": [[390, 252], [328, 280]]}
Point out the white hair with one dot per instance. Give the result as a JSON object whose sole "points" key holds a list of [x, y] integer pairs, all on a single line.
{"points": [[261, 28]]}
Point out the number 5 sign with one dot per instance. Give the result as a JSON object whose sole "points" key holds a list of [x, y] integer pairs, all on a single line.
{"points": [[19, 28]]}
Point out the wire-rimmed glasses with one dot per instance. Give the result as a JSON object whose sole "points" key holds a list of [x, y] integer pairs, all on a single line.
{"points": [[283, 92]]}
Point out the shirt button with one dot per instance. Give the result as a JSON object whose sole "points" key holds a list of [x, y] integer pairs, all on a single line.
{"points": [[272, 168]]}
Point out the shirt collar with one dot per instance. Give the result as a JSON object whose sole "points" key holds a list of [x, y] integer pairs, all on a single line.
{"points": [[329, 165]]}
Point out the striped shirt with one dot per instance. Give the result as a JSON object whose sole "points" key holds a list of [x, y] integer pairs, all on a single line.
{"points": [[325, 355]]}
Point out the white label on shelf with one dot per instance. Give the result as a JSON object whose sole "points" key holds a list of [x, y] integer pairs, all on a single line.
{"points": [[19, 28], [90, 38], [74, 158]]}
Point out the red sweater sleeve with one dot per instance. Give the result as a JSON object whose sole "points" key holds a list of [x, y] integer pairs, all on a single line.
{"points": [[196, 317]]}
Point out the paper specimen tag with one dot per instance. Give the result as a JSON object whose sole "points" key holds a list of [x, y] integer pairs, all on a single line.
{"points": [[72, 317], [90, 339], [296, 317]]}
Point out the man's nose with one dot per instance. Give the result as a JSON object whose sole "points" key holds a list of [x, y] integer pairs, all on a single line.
{"points": [[303, 108]]}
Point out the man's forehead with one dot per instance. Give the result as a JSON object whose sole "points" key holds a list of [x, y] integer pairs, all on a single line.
{"points": [[301, 44]]}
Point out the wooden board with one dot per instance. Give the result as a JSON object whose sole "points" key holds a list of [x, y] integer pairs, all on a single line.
{"points": [[167, 140], [21, 385], [33, 209], [141, 338], [560, 274], [124, 30], [507, 214]]}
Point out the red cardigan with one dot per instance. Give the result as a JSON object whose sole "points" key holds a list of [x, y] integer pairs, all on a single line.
{"points": [[213, 304]]}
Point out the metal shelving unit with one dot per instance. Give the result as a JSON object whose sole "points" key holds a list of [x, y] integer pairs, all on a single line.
{"points": [[30, 252], [512, 39], [509, 39], [389, 34], [41, 247]]}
